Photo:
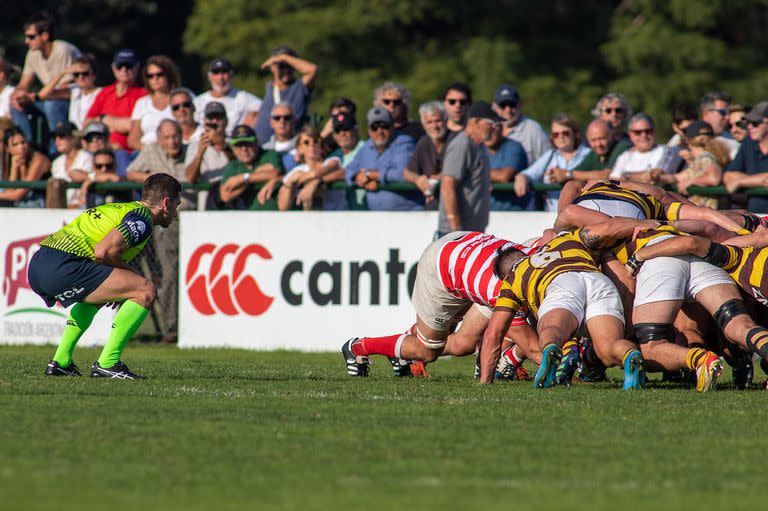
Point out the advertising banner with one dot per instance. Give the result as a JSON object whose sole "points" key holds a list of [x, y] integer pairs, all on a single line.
{"points": [[307, 280], [25, 318]]}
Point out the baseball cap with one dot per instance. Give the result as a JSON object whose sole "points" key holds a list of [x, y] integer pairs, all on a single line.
{"points": [[697, 128], [377, 114], [344, 121], [64, 129], [508, 93], [125, 56], [220, 64], [215, 109], [96, 128], [483, 110], [758, 112], [242, 133]]}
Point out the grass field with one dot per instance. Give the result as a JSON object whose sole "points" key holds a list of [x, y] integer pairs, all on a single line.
{"points": [[237, 430]]}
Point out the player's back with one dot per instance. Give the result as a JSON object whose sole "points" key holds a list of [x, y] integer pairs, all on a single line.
{"points": [[79, 237], [746, 266], [648, 205]]}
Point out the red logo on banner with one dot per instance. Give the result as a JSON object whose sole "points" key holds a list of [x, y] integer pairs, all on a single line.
{"points": [[17, 257], [215, 291]]}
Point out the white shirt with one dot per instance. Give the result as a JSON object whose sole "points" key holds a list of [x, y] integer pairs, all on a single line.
{"points": [[303, 168], [83, 161], [195, 136], [5, 101], [731, 144], [150, 118], [80, 103], [633, 160], [211, 168], [281, 147], [238, 103]]}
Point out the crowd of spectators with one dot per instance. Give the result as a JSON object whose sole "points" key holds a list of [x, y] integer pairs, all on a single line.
{"points": [[263, 152]]}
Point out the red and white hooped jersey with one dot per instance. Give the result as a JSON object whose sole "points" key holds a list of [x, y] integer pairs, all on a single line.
{"points": [[466, 266]]}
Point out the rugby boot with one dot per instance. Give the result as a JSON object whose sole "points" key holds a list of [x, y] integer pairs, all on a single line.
{"points": [[400, 368], [505, 369], [708, 372], [521, 374], [54, 369], [356, 366], [118, 371], [418, 369], [590, 372], [477, 366], [550, 359], [568, 364], [743, 369], [634, 372]]}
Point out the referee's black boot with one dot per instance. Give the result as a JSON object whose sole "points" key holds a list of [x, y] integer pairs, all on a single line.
{"points": [[118, 371], [54, 369]]}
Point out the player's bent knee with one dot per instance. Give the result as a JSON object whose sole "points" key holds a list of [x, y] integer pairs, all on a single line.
{"points": [[650, 332], [147, 293], [728, 311]]}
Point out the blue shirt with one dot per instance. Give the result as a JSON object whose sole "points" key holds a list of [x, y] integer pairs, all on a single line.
{"points": [[510, 154], [296, 94], [550, 159], [390, 164], [751, 160]]}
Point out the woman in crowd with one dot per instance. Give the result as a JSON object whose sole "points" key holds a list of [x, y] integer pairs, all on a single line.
{"points": [[73, 163], [304, 184], [565, 135], [160, 77], [80, 89], [22, 163], [6, 89]]}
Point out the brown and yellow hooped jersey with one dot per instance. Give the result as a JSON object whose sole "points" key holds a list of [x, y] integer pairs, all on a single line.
{"points": [[627, 248], [746, 265], [648, 204], [533, 274]]}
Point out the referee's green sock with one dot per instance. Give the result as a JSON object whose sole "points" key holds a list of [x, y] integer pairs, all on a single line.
{"points": [[127, 320], [79, 319]]}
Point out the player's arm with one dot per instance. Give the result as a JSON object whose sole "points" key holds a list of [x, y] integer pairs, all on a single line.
{"points": [[574, 215], [490, 349], [598, 236], [758, 239], [659, 194], [570, 191], [676, 246], [693, 212], [702, 228], [110, 249]]}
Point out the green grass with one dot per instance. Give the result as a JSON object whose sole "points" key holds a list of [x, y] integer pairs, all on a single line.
{"points": [[237, 430]]}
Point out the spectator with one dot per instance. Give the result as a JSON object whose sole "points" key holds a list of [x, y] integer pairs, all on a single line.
{"points": [[285, 88], [714, 111], [303, 185], [598, 163], [393, 97], [242, 107], [338, 105], [166, 156], [708, 159], [464, 197], [183, 110], [252, 165], [456, 100], [206, 158], [381, 161], [6, 89], [426, 163], [23, 163], [104, 171], [738, 127], [283, 139], [682, 116], [114, 105], [45, 59], [347, 138], [160, 76], [647, 160], [507, 158], [567, 154], [519, 127], [73, 163], [614, 109], [95, 137], [750, 167], [81, 93]]}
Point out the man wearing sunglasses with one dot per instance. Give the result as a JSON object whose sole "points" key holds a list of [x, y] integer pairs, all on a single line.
{"points": [[242, 107], [113, 106], [393, 97], [518, 126], [286, 88], [183, 110], [750, 166], [614, 109], [714, 111], [45, 59], [456, 99], [381, 160]]}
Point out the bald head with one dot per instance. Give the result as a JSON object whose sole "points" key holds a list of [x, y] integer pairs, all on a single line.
{"points": [[600, 136]]}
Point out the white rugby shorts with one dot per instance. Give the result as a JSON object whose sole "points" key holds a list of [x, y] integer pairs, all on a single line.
{"points": [[585, 295], [613, 208]]}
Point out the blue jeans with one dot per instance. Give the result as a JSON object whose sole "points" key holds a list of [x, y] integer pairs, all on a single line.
{"points": [[52, 110]]}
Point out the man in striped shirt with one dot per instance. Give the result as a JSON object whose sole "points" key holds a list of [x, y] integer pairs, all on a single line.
{"points": [[455, 282]]}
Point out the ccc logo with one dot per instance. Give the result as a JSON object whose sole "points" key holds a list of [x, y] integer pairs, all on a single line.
{"points": [[215, 291]]}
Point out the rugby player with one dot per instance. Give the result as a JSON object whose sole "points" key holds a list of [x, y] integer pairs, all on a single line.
{"points": [[454, 281], [661, 287], [85, 263], [562, 285], [744, 258]]}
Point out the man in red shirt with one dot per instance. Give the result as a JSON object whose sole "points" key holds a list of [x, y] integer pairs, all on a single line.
{"points": [[114, 104]]}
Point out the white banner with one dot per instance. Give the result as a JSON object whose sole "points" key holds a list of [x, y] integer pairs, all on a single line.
{"points": [[24, 316], [306, 280]]}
